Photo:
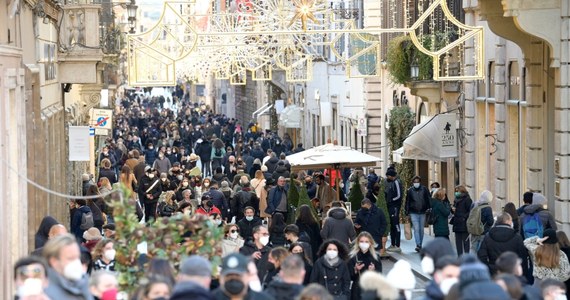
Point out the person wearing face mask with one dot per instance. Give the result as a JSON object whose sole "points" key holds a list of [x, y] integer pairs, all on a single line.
{"points": [[276, 257], [445, 275], [182, 188], [162, 163], [417, 203], [67, 279], [370, 218], [150, 154], [103, 285], [248, 223], [219, 199], [501, 237], [217, 220], [553, 290], [235, 279], [104, 255], [30, 278], [300, 250], [331, 270], [291, 275], [363, 257], [232, 241], [207, 207], [164, 182], [149, 192], [258, 249], [193, 280], [460, 209]]}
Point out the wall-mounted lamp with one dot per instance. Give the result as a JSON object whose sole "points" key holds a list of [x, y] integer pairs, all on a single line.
{"points": [[132, 14]]}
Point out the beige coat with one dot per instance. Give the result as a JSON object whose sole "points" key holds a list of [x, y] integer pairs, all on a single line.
{"points": [[259, 187]]}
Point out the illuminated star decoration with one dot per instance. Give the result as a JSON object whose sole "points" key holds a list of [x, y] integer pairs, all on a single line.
{"points": [[304, 11]]}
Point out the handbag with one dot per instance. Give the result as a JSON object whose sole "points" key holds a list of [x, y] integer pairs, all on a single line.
{"points": [[431, 217], [408, 231]]}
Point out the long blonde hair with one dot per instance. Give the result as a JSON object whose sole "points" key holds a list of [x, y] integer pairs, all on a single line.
{"points": [[548, 255], [356, 249]]}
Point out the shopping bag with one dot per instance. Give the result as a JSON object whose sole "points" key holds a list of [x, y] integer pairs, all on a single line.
{"points": [[408, 231]]}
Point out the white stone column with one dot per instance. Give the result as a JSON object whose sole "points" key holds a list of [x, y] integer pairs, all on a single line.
{"points": [[535, 117], [468, 159], [562, 125], [500, 124]]}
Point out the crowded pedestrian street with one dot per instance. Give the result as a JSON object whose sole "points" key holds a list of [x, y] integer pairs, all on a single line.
{"points": [[284, 150]]}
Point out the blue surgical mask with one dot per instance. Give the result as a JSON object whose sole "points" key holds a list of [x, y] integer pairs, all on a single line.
{"points": [[249, 218]]}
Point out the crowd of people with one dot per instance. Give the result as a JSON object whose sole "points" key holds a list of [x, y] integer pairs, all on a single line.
{"points": [[191, 161]]}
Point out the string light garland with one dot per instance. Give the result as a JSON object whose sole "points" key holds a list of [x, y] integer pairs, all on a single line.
{"points": [[259, 36]]}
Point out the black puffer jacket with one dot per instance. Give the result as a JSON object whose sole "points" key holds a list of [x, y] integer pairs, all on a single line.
{"points": [[262, 264], [461, 206], [501, 238], [281, 170], [339, 227]]}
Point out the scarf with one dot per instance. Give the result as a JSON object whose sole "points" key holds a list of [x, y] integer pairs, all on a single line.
{"points": [[331, 262]]}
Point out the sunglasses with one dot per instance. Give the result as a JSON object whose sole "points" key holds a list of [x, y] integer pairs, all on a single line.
{"points": [[26, 272], [234, 230]]}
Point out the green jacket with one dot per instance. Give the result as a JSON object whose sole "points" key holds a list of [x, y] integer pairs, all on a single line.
{"points": [[441, 226]]}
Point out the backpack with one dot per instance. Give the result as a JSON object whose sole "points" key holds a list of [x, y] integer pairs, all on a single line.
{"points": [[474, 224], [86, 221], [218, 152], [532, 226]]}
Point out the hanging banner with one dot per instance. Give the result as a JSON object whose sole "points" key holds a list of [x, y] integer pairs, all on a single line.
{"points": [[79, 143], [326, 114], [447, 135]]}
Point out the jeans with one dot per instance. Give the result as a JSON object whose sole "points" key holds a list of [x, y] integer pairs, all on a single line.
{"points": [[476, 242], [394, 211], [418, 222], [206, 169]]}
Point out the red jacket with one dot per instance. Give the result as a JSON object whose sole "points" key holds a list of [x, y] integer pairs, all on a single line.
{"points": [[214, 210]]}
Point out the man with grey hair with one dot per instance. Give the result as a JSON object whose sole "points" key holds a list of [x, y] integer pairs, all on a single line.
{"points": [[103, 284], [193, 281], [290, 282], [277, 198]]}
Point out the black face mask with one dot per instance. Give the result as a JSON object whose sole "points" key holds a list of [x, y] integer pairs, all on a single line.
{"points": [[234, 286], [209, 204]]}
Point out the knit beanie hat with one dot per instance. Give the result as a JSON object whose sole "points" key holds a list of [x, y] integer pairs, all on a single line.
{"points": [[538, 199], [472, 270]]}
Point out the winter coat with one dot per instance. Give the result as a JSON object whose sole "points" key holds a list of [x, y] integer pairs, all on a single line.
{"points": [[42, 235], [372, 221], [417, 200], [241, 200], [462, 206], [218, 294], [561, 273], [208, 212], [283, 291], [162, 165], [246, 227], [262, 264], [76, 221], [219, 201], [545, 215], [441, 211], [230, 246], [62, 288], [501, 238], [204, 150], [336, 278], [218, 150], [486, 216], [190, 290], [367, 260], [313, 232], [150, 156], [483, 289], [109, 174], [272, 164], [372, 179], [165, 209], [338, 227], [433, 292], [145, 184], [274, 198], [258, 153], [280, 170]]}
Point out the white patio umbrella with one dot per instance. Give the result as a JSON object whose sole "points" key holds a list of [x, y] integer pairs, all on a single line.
{"points": [[330, 156]]}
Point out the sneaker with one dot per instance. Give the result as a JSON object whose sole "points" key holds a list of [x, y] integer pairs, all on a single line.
{"points": [[418, 248], [398, 249], [391, 249]]}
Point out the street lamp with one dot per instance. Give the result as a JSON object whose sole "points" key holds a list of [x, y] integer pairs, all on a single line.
{"points": [[414, 71], [132, 14]]}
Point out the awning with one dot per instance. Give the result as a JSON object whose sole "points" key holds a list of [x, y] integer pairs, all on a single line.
{"points": [[330, 156], [261, 111], [434, 139], [290, 116]]}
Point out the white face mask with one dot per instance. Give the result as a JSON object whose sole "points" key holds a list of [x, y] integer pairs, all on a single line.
{"points": [[364, 246], [110, 254], [417, 185], [73, 270], [151, 175], [255, 285], [332, 254], [185, 184], [31, 287], [179, 177], [234, 235], [433, 190], [560, 297], [264, 240], [427, 265], [218, 222], [163, 179], [446, 285]]}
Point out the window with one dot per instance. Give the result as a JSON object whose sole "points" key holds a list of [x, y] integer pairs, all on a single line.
{"points": [[49, 61]]}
